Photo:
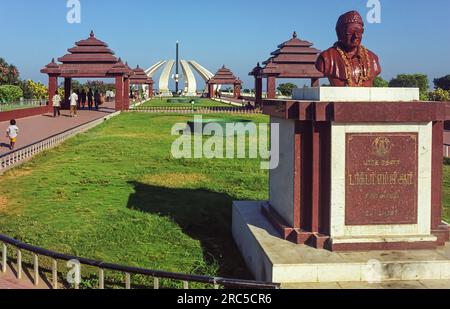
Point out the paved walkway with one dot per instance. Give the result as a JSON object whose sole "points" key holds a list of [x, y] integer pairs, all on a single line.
{"points": [[9, 281], [34, 129]]}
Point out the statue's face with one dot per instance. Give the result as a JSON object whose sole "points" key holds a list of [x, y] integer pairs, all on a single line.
{"points": [[351, 35]]}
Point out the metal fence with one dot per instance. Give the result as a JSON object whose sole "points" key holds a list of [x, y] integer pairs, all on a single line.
{"points": [[8, 106], [17, 157], [156, 275], [199, 110]]}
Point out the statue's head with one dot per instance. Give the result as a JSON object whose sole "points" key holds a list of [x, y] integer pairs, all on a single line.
{"points": [[350, 29]]}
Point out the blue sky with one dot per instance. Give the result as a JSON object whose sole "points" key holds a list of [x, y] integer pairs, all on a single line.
{"points": [[412, 36]]}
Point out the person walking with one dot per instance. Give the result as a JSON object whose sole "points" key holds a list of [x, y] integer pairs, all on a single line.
{"points": [[96, 99], [12, 133], [73, 104], [56, 104], [90, 97], [83, 99]]}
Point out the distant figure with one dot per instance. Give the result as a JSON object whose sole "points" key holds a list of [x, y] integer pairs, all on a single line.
{"points": [[96, 99], [90, 97], [102, 99], [12, 133], [56, 104], [219, 94], [83, 99], [79, 99], [73, 104]]}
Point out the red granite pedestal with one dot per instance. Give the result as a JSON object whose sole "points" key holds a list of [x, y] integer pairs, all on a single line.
{"points": [[359, 175]]}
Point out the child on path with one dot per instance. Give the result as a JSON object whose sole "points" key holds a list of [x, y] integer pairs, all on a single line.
{"points": [[12, 133]]}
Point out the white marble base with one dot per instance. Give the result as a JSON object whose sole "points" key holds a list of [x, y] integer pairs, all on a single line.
{"points": [[355, 94], [273, 259]]}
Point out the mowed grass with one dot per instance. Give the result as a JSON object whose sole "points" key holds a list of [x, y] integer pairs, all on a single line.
{"points": [[116, 194], [446, 193], [199, 102]]}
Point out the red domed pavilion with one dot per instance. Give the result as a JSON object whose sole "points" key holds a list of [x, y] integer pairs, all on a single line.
{"points": [[90, 58]]}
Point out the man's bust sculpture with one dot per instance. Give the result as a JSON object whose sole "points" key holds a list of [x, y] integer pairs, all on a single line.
{"points": [[348, 63]]}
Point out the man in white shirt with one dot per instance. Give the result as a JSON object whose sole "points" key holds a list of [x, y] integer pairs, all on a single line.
{"points": [[56, 104], [73, 104]]}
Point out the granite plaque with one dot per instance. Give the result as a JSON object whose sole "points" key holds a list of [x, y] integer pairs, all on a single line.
{"points": [[381, 179]]}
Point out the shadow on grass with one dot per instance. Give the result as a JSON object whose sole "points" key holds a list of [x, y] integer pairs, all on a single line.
{"points": [[203, 215]]}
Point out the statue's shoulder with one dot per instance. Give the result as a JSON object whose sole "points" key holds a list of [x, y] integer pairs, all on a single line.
{"points": [[330, 52], [372, 55], [375, 62]]}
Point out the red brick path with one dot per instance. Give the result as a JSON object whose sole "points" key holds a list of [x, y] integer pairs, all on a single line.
{"points": [[33, 129]]}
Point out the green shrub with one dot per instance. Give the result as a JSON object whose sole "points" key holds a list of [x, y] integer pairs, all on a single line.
{"points": [[447, 161], [10, 93]]}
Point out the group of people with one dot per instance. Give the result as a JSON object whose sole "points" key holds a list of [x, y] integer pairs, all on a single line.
{"points": [[78, 100]]}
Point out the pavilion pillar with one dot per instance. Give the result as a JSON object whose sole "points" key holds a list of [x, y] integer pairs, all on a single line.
{"points": [[271, 85], [315, 82], [258, 90], [211, 91], [52, 88], [67, 92], [119, 92], [126, 95], [150, 91], [237, 91]]}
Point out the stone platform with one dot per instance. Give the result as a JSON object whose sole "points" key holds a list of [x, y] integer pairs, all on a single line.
{"points": [[273, 259]]}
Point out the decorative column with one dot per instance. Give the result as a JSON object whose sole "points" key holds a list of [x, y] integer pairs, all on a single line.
{"points": [[150, 91], [237, 91], [271, 85], [119, 92], [211, 90], [438, 228], [52, 88], [126, 94], [67, 92], [258, 90]]}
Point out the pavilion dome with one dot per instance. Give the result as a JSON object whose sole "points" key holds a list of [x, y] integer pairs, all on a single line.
{"points": [[294, 58], [89, 50], [224, 76]]}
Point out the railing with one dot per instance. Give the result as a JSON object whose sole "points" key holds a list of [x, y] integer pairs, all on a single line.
{"points": [[156, 275], [202, 110], [447, 150], [21, 104], [17, 157]]}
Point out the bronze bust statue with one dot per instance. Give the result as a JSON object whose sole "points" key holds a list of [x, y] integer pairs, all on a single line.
{"points": [[348, 63]]}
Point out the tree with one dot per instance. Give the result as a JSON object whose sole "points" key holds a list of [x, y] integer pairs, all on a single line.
{"points": [[442, 82], [10, 93], [439, 95], [412, 81], [286, 89], [9, 75], [380, 82]]}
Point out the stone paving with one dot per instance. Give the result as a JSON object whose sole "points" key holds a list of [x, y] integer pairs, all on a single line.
{"points": [[34, 129]]}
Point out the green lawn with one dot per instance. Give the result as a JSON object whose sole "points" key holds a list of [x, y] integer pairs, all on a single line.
{"points": [[116, 194], [446, 195], [199, 102]]}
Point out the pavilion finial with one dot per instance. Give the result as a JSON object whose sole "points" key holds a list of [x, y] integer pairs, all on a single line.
{"points": [[294, 35], [92, 34], [138, 66], [258, 65], [53, 60]]}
